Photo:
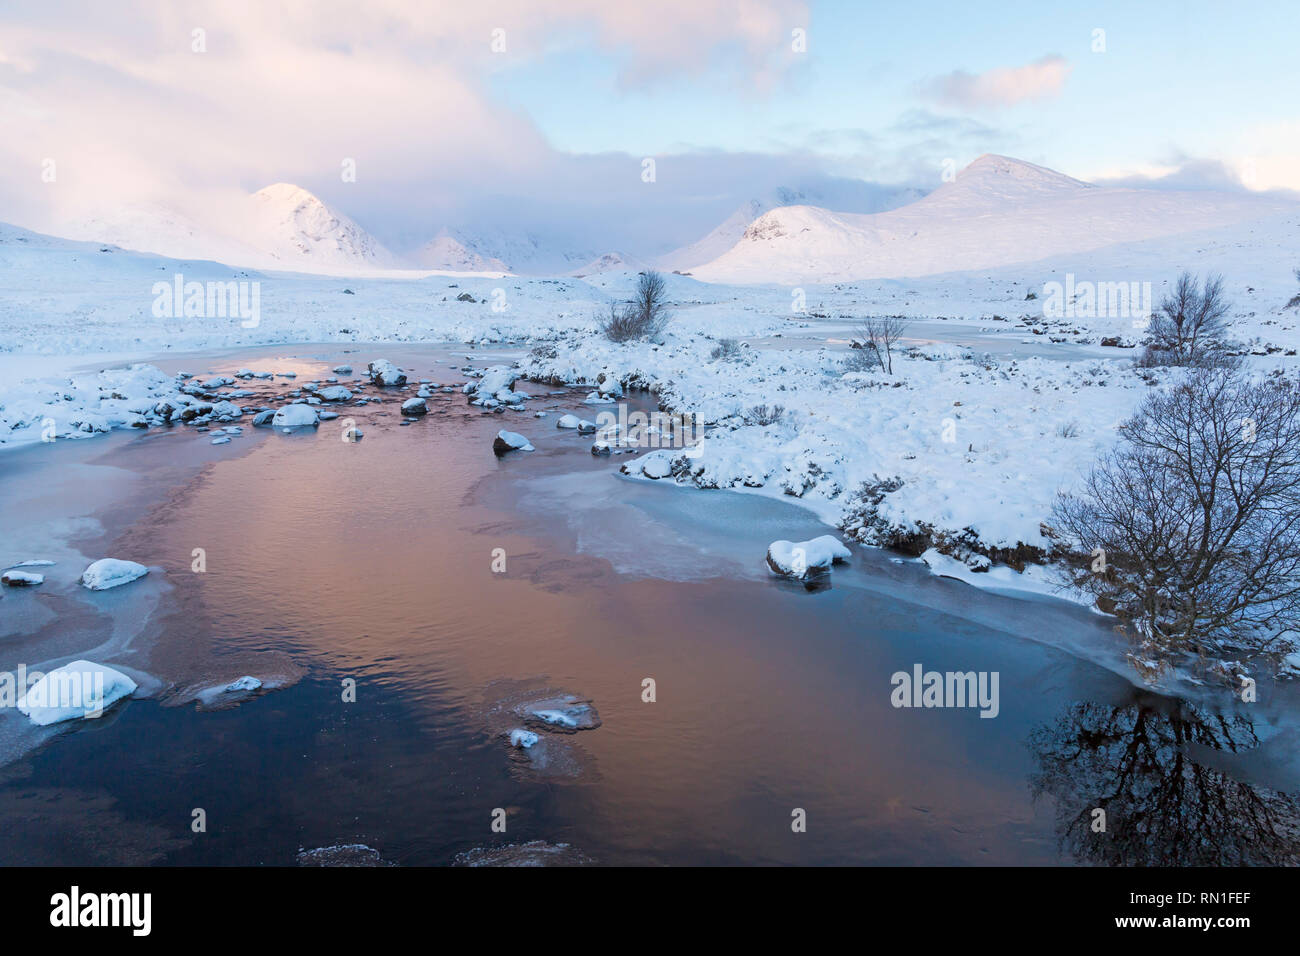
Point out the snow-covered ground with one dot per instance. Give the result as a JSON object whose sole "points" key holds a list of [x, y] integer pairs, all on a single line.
{"points": [[991, 409]]}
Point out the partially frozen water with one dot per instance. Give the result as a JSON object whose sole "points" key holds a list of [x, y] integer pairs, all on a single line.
{"points": [[329, 562]]}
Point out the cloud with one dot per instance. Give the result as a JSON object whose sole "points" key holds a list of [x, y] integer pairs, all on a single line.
{"points": [[1003, 86], [127, 110]]}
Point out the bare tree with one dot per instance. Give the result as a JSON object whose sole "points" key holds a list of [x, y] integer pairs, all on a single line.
{"points": [[645, 317], [1295, 299], [880, 334], [1189, 327], [1192, 524]]}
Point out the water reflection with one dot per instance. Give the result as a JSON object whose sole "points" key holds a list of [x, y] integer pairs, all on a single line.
{"points": [[1163, 805]]}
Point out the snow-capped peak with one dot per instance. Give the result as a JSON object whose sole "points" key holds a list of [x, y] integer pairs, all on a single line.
{"points": [[291, 224]]}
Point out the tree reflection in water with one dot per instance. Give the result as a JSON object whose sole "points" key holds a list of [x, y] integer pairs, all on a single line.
{"points": [[1162, 807]]}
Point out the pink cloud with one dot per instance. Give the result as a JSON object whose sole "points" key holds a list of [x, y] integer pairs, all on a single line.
{"points": [[1003, 86]]}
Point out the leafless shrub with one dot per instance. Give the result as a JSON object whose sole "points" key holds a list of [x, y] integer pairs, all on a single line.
{"points": [[1295, 299], [645, 317], [1190, 325], [1067, 430], [762, 415], [727, 350], [1193, 521], [880, 334]]}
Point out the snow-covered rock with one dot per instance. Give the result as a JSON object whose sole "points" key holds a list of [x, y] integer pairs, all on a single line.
{"points": [[523, 738], [510, 441], [798, 559], [415, 406], [21, 579], [497, 382], [244, 684], [384, 372], [111, 573], [335, 393], [78, 690], [565, 714], [295, 416]]}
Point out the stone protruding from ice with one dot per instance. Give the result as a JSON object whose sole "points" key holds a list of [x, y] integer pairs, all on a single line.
{"points": [[799, 559], [78, 690], [523, 738], [21, 579], [295, 416], [564, 714], [511, 441], [111, 573], [384, 372]]}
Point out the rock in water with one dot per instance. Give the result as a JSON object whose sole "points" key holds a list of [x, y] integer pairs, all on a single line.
{"points": [[384, 372], [510, 441], [799, 559], [77, 690], [110, 573], [335, 393], [295, 416], [21, 579], [415, 406], [523, 738]]}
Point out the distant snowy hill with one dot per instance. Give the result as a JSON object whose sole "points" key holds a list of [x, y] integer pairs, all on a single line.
{"points": [[294, 227], [611, 262], [997, 212], [732, 229], [447, 252], [282, 226]]}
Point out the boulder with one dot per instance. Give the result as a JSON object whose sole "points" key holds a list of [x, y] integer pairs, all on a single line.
{"points": [[111, 573], [384, 372], [295, 416], [800, 559], [510, 441], [78, 690]]}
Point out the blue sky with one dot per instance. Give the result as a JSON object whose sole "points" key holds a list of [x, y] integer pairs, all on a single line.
{"points": [[548, 133], [1176, 80]]}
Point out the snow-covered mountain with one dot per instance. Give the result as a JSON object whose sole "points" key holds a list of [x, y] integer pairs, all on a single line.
{"points": [[294, 227], [280, 227], [524, 252], [448, 252], [732, 229], [998, 211], [611, 262]]}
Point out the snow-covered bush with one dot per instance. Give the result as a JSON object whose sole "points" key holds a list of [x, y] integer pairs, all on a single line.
{"points": [[645, 317]]}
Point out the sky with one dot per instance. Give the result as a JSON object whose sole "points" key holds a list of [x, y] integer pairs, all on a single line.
{"points": [[523, 115]]}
